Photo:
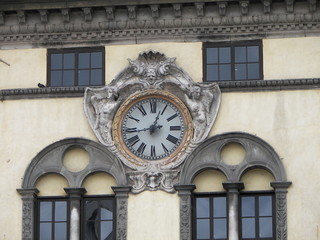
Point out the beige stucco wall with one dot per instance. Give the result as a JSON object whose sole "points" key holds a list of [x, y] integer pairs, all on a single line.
{"points": [[291, 58]]}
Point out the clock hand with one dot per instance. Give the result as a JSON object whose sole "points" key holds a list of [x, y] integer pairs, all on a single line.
{"points": [[154, 126]]}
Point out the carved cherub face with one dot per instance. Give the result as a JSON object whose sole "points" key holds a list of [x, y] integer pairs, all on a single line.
{"points": [[151, 73], [196, 92]]}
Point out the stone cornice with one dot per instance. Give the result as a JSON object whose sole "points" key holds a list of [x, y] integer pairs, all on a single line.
{"points": [[227, 86], [70, 23]]}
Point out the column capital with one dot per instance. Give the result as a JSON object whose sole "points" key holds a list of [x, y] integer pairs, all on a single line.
{"points": [[233, 186], [186, 189], [28, 192], [75, 192], [281, 186], [121, 191]]}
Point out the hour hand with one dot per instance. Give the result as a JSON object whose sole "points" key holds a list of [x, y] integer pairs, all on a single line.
{"points": [[153, 128]]}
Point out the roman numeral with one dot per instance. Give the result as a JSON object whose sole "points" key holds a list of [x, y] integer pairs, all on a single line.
{"points": [[153, 107], [164, 109], [137, 120], [172, 139], [172, 117], [175, 128], [153, 151], [141, 148], [142, 110], [130, 130], [164, 148], [133, 140]]}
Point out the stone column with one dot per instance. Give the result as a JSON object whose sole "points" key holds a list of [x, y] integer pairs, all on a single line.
{"points": [[233, 189], [121, 194], [75, 196], [280, 189], [28, 197], [185, 193]]}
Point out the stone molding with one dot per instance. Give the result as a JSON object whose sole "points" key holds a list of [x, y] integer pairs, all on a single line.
{"points": [[175, 21], [227, 86]]}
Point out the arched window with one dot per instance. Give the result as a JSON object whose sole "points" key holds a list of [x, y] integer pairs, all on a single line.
{"points": [[59, 188], [241, 192]]}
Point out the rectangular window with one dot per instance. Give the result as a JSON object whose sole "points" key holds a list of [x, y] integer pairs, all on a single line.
{"points": [[53, 219], [76, 67], [257, 216], [211, 217], [98, 218], [234, 61]]}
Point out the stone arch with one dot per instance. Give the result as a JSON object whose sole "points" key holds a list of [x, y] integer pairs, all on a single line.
{"points": [[50, 160], [259, 154]]}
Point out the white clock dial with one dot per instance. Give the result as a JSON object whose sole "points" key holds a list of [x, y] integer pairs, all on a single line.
{"points": [[153, 128]]}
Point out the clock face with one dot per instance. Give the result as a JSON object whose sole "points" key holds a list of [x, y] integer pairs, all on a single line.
{"points": [[153, 128]]}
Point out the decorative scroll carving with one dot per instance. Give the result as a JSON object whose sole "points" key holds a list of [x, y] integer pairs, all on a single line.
{"points": [[152, 73]]}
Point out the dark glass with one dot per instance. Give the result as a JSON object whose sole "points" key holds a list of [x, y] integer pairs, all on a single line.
{"points": [[60, 231], [212, 55], [96, 60], [248, 228], [247, 207], [253, 70], [219, 207], [225, 55], [253, 53], [56, 61], [91, 210], [96, 77], [212, 73], [105, 229], [240, 71], [56, 78], [68, 61], [83, 77], [225, 72], [45, 211], [45, 231], [220, 228], [202, 207], [68, 78], [265, 227], [60, 211], [84, 60], [203, 229], [106, 209], [240, 54]]}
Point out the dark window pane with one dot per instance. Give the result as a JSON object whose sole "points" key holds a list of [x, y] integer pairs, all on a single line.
{"points": [[68, 78], [84, 76], [253, 53], [60, 231], [45, 211], [225, 72], [202, 207], [224, 55], [240, 54], [84, 60], [61, 211], [212, 55], [212, 73], [96, 60], [220, 228], [203, 229], [219, 207], [247, 206], [68, 61], [253, 70], [240, 71], [248, 228], [265, 206], [105, 229], [45, 231], [91, 210], [106, 209], [56, 78], [56, 61], [265, 227], [90, 231], [96, 77]]}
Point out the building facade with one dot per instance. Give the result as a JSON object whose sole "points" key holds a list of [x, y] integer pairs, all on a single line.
{"points": [[162, 119]]}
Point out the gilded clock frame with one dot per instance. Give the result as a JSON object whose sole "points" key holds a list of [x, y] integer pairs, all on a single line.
{"points": [[132, 100]]}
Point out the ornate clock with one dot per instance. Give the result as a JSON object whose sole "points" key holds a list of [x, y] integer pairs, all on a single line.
{"points": [[153, 125]]}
